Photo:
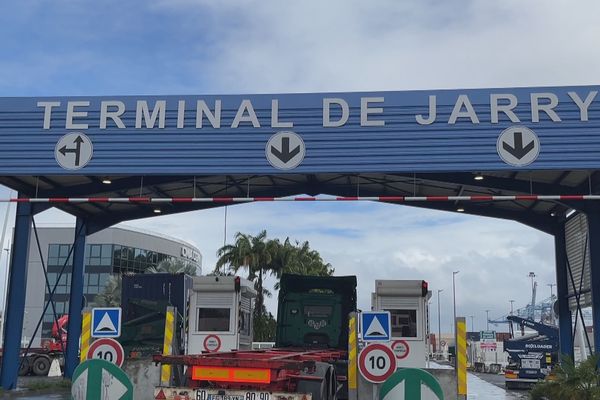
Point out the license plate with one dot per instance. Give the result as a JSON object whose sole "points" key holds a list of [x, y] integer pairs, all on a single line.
{"points": [[215, 394]]}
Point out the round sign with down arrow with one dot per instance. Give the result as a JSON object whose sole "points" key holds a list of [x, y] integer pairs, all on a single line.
{"points": [[73, 151], [285, 150], [518, 146]]}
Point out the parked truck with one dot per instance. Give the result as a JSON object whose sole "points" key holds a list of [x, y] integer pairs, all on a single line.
{"points": [[531, 357], [309, 360]]}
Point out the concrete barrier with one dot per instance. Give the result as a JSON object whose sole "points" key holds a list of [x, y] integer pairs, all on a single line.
{"points": [[144, 376]]}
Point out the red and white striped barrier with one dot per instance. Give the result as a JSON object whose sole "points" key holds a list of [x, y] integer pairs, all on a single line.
{"points": [[393, 199]]}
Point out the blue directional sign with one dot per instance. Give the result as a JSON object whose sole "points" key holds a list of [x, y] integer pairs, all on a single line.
{"points": [[376, 326], [106, 322], [537, 128]]}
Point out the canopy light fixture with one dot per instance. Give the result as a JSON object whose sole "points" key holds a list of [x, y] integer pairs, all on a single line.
{"points": [[478, 177], [460, 209], [157, 211], [106, 181]]}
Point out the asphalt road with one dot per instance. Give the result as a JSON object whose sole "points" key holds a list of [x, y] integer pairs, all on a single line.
{"points": [[498, 381]]}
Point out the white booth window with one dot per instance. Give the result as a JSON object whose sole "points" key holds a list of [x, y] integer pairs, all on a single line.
{"points": [[404, 323], [213, 319]]}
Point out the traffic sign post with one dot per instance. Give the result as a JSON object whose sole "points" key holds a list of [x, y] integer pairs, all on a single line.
{"points": [[107, 349], [106, 322], [375, 326], [99, 380], [376, 362]]}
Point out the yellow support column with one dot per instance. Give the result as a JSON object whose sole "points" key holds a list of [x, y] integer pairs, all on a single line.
{"points": [[352, 358], [86, 334], [165, 370], [461, 357]]}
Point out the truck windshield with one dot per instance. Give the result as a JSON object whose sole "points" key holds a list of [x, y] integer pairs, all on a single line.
{"points": [[213, 319], [317, 311]]}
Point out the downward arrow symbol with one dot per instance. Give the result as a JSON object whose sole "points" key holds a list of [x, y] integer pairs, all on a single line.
{"points": [[285, 155], [518, 151]]}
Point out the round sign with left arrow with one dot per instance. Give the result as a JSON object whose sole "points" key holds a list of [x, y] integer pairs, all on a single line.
{"points": [[73, 151], [285, 150]]}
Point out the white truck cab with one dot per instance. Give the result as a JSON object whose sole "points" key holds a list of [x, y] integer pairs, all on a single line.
{"points": [[220, 314], [407, 301]]}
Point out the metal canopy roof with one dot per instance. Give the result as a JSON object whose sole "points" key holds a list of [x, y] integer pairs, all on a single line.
{"points": [[539, 214]]}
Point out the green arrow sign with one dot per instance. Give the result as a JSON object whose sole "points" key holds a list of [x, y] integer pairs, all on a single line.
{"points": [[100, 380], [413, 380]]}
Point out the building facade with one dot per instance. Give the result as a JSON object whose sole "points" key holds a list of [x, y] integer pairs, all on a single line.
{"points": [[110, 252]]}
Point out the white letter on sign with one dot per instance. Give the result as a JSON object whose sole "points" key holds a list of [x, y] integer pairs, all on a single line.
{"points": [[213, 118], [463, 101], [275, 123], [432, 113], [143, 111], [114, 115], [48, 105], [246, 106], [507, 109], [327, 123], [365, 111], [536, 107], [583, 105], [71, 113]]}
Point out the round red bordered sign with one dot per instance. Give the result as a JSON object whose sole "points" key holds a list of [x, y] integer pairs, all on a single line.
{"points": [[212, 343], [401, 349], [107, 349], [377, 362]]}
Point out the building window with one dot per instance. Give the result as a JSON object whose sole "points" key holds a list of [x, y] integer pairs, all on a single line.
{"points": [[404, 323], [213, 319]]}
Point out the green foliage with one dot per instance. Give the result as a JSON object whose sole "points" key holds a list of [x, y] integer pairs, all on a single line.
{"points": [[173, 266], [265, 326], [111, 295], [571, 382], [259, 256]]}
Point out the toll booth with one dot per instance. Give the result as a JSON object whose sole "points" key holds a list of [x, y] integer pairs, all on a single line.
{"points": [[408, 304], [220, 314]]}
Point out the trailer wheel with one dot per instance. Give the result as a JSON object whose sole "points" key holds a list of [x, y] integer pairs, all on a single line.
{"points": [[23, 366], [41, 366], [320, 390]]}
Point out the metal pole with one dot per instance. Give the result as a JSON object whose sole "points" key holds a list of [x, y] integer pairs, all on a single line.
{"points": [[551, 291], [454, 308], [472, 316], [487, 320], [439, 341], [511, 306]]}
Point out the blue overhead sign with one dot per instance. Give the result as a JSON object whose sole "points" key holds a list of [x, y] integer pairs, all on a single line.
{"points": [[412, 131], [375, 326]]}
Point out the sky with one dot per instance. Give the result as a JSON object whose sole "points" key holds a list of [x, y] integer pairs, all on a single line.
{"points": [[178, 47]]}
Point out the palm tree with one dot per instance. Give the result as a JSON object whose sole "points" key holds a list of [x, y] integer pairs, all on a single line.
{"points": [[173, 266], [571, 382], [111, 295], [299, 259], [254, 253]]}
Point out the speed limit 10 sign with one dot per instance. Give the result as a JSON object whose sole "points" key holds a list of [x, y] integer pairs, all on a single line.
{"points": [[107, 349], [377, 362]]}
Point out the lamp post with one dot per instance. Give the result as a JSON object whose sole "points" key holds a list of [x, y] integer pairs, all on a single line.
{"points": [[439, 340], [511, 306], [454, 308], [551, 291], [472, 317], [487, 320]]}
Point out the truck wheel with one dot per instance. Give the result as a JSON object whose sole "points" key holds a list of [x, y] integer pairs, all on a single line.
{"points": [[23, 366], [41, 366]]}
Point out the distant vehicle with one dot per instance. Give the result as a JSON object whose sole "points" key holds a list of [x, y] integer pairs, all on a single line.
{"points": [[310, 356], [530, 357]]}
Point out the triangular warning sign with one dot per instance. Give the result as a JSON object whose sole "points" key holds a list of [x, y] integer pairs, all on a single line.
{"points": [[160, 395], [375, 328], [106, 325]]}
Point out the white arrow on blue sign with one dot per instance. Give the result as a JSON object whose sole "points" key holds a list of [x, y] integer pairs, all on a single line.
{"points": [[106, 322], [375, 326]]}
